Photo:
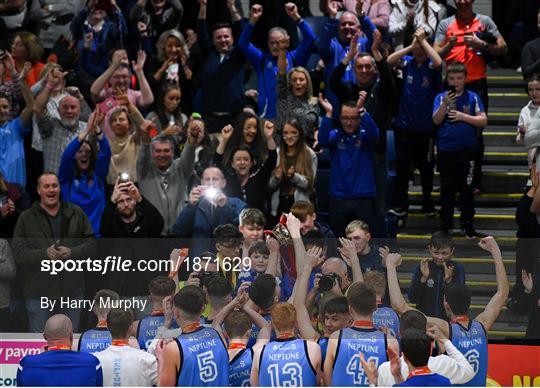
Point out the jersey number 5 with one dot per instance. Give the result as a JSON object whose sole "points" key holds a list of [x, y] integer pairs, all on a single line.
{"points": [[207, 367]]}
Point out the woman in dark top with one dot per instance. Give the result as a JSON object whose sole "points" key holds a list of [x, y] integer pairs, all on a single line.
{"points": [[244, 179], [13, 201]]}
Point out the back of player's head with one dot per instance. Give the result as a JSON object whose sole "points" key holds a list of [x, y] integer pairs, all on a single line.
{"points": [[302, 209], [58, 327], [102, 301], [259, 247], [377, 280], [283, 316], [458, 297], [218, 290], [161, 286], [262, 291], [119, 322], [456, 67], [416, 346], [252, 216], [237, 324], [190, 300], [441, 240], [362, 298], [227, 234], [412, 319], [335, 305]]}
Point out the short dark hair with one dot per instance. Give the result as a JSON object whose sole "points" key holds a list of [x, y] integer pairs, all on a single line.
{"points": [[412, 319], [456, 67], [362, 298], [190, 300], [45, 173], [226, 234], [458, 297], [259, 247], [441, 240], [335, 305], [161, 286], [219, 287], [236, 324], [349, 104], [218, 26], [119, 322], [252, 216], [416, 346], [302, 209], [314, 237], [262, 290]]}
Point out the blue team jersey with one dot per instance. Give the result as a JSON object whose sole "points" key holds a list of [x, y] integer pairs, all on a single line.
{"points": [[147, 330], [60, 368], [255, 331], [420, 85], [286, 363], [386, 317], [95, 340], [240, 368], [205, 361], [348, 369], [472, 342], [459, 136], [323, 343], [430, 380]]}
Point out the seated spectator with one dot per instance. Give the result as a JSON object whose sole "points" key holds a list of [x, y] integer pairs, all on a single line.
{"points": [[528, 115], [83, 171], [294, 177], [294, 95], [168, 117], [352, 181], [431, 276], [208, 208], [251, 224], [97, 29], [115, 82], [222, 72], [530, 54], [123, 365], [59, 364], [26, 47], [413, 127], [246, 180], [265, 64], [248, 132], [54, 230], [12, 134], [56, 129], [13, 201], [370, 256], [7, 273], [127, 125], [164, 181], [11, 88], [457, 145], [158, 16]]}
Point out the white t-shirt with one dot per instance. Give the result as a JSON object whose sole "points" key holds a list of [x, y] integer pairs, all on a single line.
{"points": [[124, 366], [454, 366]]}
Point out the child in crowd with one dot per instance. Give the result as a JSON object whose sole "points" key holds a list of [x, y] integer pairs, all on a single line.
{"points": [[251, 225]]}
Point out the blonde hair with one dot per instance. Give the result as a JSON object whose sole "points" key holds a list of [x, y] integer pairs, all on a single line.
{"points": [[163, 39], [300, 69], [356, 225]]}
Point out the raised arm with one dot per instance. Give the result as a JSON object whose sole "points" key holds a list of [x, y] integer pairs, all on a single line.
{"points": [[147, 97], [433, 55], [497, 301], [252, 53], [26, 114], [350, 256], [293, 224], [100, 83], [394, 58]]}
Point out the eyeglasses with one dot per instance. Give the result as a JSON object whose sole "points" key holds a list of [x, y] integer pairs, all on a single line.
{"points": [[349, 118]]}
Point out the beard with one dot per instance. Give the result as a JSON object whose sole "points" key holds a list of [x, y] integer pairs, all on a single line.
{"points": [[69, 123]]}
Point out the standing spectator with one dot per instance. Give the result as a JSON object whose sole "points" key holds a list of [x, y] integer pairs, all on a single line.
{"points": [[378, 103], [378, 12], [530, 55], [527, 117], [245, 180], [208, 208], [222, 74], [12, 133], [469, 38], [529, 302], [157, 15], [53, 18], [409, 16], [335, 39], [13, 201], [54, 230], [11, 88], [115, 82], [164, 181], [414, 129], [294, 176], [59, 364], [265, 64], [432, 275], [456, 147], [57, 130], [12, 18], [7, 272], [247, 132], [294, 94], [352, 181], [83, 171], [122, 364], [27, 48]]}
